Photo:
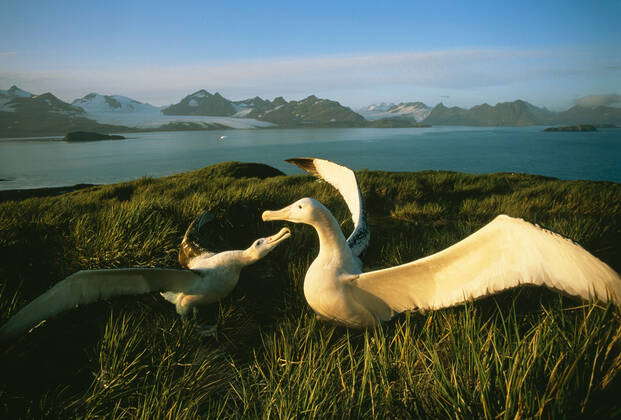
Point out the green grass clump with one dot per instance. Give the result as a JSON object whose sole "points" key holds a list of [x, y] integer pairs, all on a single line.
{"points": [[524, 353]]}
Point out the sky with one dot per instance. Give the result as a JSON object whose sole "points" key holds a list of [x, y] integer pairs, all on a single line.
{"points": [[463, 53]]}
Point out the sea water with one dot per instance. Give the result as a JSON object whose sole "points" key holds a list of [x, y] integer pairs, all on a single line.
{"points": [[38, 162]]}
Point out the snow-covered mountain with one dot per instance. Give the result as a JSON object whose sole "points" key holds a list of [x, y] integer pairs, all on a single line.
{"points": [[94, 103], [15, 92], [381, 107], [40, 105], [8, 95], [417, 110], [124, 111], [35, 115], [252, 105], [411, 110]]}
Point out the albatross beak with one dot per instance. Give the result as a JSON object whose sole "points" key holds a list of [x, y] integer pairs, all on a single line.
{"points": [[283, 234], [264, 246], [281, 214]]}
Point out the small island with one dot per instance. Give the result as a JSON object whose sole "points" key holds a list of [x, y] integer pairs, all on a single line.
{"points": [[579, 127], [77, 136]]}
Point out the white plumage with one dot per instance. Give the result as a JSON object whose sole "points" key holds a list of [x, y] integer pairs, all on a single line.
{"points": [[344, 180], [506, 253], [208, 278]]}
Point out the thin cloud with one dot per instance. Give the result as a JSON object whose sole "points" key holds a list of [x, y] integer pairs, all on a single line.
{"points": [[611, 99], [294, 77]]}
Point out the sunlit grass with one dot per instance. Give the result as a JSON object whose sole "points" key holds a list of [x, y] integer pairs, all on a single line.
{"points": [[524, 353]]}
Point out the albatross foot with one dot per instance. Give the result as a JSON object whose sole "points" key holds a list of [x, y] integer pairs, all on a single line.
{"points": [[207, 331]]}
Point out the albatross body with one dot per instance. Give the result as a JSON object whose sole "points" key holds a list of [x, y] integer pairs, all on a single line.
{"points": [[207, 278], [506, 253]]}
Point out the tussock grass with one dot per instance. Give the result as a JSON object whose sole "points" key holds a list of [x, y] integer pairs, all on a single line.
{"points": [[524, 353]]}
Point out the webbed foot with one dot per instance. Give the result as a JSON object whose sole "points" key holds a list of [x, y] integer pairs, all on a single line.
{"points": [[207, 331]]}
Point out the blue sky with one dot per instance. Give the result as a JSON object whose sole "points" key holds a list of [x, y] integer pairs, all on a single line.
{"points": [[547, 52]]}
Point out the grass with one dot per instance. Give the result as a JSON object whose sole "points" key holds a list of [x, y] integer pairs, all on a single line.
{"points": [[521, 354]]}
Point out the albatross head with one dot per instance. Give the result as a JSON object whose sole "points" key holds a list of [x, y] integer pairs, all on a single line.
{"points": [[305, 210], [263, 246]]}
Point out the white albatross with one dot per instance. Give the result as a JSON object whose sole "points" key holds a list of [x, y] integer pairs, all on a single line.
{"points": [[505, 253], [208, 277]]}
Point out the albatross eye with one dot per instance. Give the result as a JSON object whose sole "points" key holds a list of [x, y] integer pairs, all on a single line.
{"points": [[259, 242], [299, 206]]}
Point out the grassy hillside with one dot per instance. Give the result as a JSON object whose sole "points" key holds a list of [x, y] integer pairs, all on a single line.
{"points": [[520, 354]]}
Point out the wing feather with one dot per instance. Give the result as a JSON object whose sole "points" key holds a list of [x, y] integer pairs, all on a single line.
{"points": [[344, 180], [93, 285], [190, 246], [505, 253]]}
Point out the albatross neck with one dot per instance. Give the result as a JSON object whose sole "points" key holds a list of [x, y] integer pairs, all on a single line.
{"points": [[332, 243]]}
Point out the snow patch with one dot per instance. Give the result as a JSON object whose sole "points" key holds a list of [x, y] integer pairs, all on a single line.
{"points": [[240, 106], [149, 120], [15, 92], [381, 107], [193, 102], [96, 103], [199, 94], [415, 110], [242, 112], [5, 106]]}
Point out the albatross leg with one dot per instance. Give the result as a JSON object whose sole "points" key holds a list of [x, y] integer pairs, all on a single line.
{"points": [[203, 318], [198, 310], [207, 331]]}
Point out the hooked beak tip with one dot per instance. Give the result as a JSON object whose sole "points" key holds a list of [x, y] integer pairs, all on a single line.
{"points": [[283, 234]]}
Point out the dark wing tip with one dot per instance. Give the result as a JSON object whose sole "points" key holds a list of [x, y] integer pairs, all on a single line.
{"points": [[202, 220], [306, 164], [190, 246]]}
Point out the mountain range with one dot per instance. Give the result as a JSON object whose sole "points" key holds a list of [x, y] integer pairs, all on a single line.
{"points": [[202, 103], [25, 114], [515, 113], [311, 111], [413, 110], [95, 103]]}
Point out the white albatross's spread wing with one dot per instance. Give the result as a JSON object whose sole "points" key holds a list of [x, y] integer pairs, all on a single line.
{"points": [[505, 253], [93, 285], [344, 180]]}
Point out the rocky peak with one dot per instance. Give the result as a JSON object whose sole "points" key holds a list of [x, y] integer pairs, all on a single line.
{"points": [[15, 92], [202, 103]]}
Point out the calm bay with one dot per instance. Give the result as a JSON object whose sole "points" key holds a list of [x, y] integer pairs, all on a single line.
{"points": [[33, 163]]}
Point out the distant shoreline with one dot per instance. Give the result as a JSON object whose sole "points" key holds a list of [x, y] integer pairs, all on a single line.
{"points": [[23, 194], [454, 148], [59, 137]]}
